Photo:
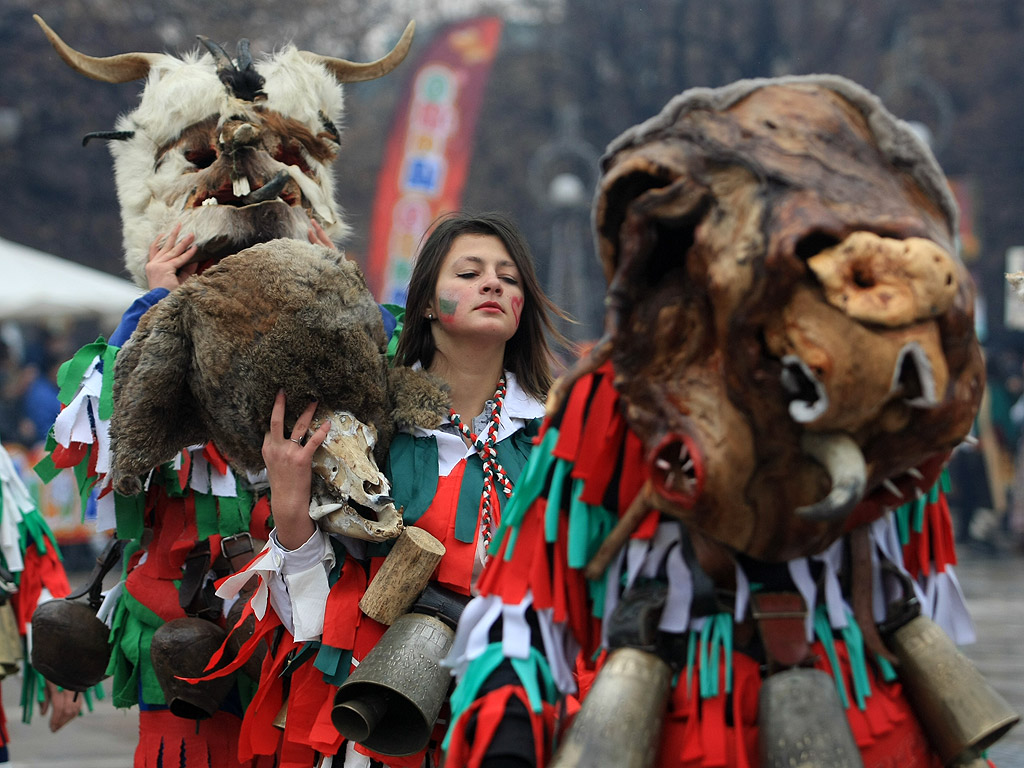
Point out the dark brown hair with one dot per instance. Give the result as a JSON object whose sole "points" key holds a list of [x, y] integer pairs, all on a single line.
{"points": [[527, 353]]}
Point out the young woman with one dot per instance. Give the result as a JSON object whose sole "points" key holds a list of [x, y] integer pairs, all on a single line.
{"points": [[477, 318]]}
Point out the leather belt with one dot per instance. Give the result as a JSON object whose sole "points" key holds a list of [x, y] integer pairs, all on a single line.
{"points": [[781, 623]]}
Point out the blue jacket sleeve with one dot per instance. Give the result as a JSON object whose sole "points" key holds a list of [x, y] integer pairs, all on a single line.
{"points": [[131, 316]]}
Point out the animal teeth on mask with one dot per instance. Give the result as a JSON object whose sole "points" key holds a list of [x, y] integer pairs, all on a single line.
{"points": [[240, 186], [892, 488], [915, 473], [914, 367], [209, 201], [682, 476], [313, 193], [810, 400]]}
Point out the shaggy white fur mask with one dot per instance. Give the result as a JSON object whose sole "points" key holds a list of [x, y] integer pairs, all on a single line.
{"points": [[238, 152]]}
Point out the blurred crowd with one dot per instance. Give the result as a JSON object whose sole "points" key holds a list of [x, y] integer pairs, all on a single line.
{"points": [[29, 360], [987, 470]]}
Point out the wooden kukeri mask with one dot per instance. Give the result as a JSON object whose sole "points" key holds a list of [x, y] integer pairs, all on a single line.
{"points": [[789, 323]]}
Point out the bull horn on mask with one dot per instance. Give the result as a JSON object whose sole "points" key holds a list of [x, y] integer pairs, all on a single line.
{"points": [[120, 68], [842, 458], [353, 72]]}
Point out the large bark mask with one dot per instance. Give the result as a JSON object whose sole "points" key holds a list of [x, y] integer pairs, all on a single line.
{"points": [[790, 327]]}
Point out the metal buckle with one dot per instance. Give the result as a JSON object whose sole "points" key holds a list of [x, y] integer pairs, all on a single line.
{"points": [[237, 545]]}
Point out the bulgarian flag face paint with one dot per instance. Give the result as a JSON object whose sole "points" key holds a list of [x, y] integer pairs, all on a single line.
{"points": [[479, 290]]}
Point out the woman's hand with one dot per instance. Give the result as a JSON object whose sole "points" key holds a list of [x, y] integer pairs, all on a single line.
{"points": [[169, 260], [289, 471], [64, 706], [317, 235]]}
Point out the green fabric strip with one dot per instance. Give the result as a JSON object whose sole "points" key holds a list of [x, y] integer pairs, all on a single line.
{"points": [[467, 513], [886, 668], [858, 661], [83, 479], [823, 630], [129, 512], [902, 517], [917, 518], [46, 470], [944, 481], [413, 461], [106, 406], [206, 515], [553, 511], [579, 528], [71, 372], [229, 517], [335, 663], [531, 483]]}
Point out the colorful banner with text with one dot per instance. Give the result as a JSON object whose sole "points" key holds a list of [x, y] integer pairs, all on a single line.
{"points": [[428, 152]]}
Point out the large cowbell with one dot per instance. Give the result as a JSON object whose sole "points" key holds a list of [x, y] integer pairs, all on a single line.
{"points": [[391, 700]]}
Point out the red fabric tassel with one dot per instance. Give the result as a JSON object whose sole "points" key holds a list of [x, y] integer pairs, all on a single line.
{"points": [[258, 735], [167, 741], [41, 570], [68, 457], [601, 444], [184, 470], [489, 712], [571, 427], [216, 458]]}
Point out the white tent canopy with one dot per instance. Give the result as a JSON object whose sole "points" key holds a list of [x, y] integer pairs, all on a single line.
{"points": [[37, 286]]}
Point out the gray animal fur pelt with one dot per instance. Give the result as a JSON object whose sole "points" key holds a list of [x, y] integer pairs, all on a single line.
{"points": [[207, 361]]}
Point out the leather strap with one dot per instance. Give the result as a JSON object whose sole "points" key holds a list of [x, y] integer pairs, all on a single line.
{"points": [[93, 586], [195, 596], [237, 550], [861, 582], [780, 619]]}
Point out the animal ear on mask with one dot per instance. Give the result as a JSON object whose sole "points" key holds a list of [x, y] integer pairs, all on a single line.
{"points": [[654, 231], [645, 219]]}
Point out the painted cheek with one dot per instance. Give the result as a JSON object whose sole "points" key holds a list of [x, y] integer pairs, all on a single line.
{"points": [[447, 305], [517, 309]]}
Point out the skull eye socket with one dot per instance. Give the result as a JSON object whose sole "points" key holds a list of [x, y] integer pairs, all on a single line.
{"points": [[201, 157], [813, 244]]}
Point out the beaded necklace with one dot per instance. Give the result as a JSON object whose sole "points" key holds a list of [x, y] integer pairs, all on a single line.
{"points": [[494, 473]]}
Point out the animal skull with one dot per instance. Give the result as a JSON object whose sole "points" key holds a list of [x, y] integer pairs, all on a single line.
{"points": [[345, 462]]}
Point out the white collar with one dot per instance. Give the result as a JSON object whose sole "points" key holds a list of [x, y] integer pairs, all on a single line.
{"points": [[519, 404]]}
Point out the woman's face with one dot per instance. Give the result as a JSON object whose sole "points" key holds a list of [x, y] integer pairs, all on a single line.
{"points": [[479, 292]]}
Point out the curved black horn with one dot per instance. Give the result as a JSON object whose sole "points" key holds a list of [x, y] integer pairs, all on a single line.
{"points": [[110, 135], [244, 56], [224, 62]]}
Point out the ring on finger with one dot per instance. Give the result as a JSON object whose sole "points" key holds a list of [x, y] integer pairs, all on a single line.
{"points": [[295, 440]]}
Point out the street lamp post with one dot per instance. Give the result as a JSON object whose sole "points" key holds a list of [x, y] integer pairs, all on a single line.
{"points": [[562, 175]]}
